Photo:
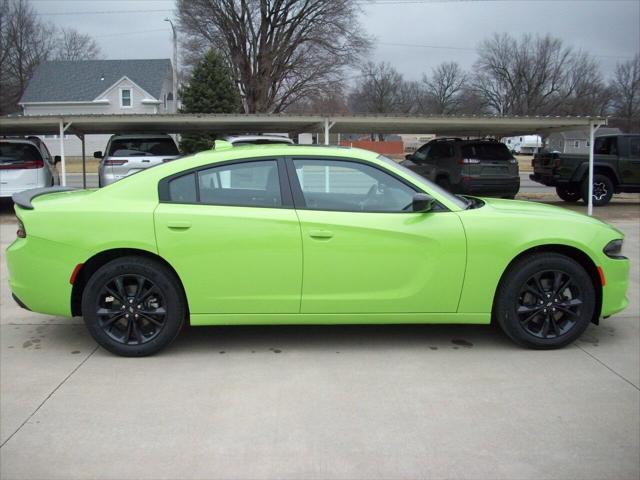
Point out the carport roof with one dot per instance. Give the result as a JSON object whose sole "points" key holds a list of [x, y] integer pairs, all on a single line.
{"points": [[261, 123]]}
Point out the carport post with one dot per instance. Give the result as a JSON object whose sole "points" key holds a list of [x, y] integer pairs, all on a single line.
{"points": [[63, 163], [327, 127], [84, 165], [593, 126]]}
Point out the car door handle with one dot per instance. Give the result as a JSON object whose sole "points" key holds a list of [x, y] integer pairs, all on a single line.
{"points": [[320, 234], [179, 225]]}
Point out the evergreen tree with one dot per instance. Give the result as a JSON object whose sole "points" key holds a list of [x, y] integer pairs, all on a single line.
{"points": [[210, 90]]}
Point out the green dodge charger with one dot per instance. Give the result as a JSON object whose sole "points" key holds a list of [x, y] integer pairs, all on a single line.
{"points": [[306, 235]]}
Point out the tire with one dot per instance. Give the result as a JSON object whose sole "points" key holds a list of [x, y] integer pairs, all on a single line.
{"points": [[530, 291], [444, 183], [118, 322], [569, 193], [602, 189]]}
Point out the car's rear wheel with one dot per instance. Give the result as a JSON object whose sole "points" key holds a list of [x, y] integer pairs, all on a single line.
{"points": [[602, 190], [545, 300], [133, 306], [569, 193]]}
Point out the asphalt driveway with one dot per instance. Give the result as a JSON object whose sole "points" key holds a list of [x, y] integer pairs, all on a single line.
{"points": [[353, 402]]}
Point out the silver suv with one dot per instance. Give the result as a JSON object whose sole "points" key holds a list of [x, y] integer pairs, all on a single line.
{"points": [[130, 153]]}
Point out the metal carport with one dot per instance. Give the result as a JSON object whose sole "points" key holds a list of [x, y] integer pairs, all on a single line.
{"points": [[180, 123]]}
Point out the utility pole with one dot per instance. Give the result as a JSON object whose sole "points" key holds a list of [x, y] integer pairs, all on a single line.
{"points": [[175, 65]]}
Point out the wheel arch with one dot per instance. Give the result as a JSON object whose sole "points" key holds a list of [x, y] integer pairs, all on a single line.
{"points": [[102, 258], [572, 252], [601, 168]]}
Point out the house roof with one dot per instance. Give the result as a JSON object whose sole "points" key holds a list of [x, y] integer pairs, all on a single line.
{"points": [[84, 80]]}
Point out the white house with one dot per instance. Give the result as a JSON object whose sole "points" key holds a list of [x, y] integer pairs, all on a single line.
{"points": [[101, 87]]}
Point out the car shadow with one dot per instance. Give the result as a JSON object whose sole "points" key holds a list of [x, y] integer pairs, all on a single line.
{"points": [[336, 338]]}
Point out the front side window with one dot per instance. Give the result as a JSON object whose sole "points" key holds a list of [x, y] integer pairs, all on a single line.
{"points": [[125, 97], [241, 184], [605, 146], [634, 147], [351, 186], [421, 154]]}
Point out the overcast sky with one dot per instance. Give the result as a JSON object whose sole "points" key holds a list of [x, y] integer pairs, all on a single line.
{"points": [[412, 35]]}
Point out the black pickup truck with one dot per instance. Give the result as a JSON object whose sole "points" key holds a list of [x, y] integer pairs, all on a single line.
{"points": [[616, 169]]}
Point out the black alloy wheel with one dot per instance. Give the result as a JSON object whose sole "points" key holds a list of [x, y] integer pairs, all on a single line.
{"points": [[134, 306], [602, 190]]}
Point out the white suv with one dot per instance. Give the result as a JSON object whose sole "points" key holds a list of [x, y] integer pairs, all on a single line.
{"points": [[25, 163]]}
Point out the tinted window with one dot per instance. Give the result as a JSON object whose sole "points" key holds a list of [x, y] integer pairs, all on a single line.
{"points": [[420, 156], [250, 184], [183, 189], [142, 147], [486, 151], [440, 150], [18, 153], [606, 146], [351, 186]]}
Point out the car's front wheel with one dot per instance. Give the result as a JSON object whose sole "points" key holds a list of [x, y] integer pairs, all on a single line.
{"points": [[133, 306], [545, 300]]}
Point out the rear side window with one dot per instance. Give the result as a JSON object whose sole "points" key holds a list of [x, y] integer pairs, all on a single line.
{"points": [[440, 150], [634, 147], [142, 147], [14, 154], [606, 146], [241, 184], [183, 189], [486, 151]]}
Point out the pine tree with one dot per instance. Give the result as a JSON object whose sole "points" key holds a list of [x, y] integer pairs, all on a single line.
{"points": [[210, 90]]}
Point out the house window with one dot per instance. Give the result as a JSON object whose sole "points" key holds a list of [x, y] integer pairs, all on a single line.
{"points": [[125, 97], [576, 144]]}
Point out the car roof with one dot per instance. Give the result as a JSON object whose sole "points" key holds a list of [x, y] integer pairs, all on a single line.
{"points": [[20, 140]]}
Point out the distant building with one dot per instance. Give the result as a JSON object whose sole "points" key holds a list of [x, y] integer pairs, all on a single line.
{"points": [[523, 144], [575, 141], [100, 87]]}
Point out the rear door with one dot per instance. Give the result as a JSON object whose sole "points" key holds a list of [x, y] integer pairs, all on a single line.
{"points": [[20, 163], [491, 160], [232, 235]]}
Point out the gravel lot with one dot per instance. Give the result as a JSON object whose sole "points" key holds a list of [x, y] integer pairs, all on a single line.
{"points": [[347, 402]]}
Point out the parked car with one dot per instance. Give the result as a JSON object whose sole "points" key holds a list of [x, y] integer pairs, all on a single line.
{"points": [[240, 140], [616, 170], [130, 153], [282, 235], [25, 163], [475, 167]]}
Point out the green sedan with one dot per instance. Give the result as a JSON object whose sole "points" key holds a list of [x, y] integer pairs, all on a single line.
{"points": [[306, 235]]}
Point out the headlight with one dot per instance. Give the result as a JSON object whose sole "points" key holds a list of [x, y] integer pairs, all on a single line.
{"points": [[613, 249]]}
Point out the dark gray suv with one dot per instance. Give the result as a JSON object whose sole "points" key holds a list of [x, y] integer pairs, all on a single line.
{"points": [[474, 167]]}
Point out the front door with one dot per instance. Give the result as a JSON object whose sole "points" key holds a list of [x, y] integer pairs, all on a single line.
{"points": [[364, 250], [232, 235]]}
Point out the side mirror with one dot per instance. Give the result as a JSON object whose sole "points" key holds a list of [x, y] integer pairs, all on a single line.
{"points": [[97, 154], [57, 159], [422, 202]]}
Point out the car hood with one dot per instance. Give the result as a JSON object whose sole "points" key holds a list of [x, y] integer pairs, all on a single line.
{"points": [[521, 207]]}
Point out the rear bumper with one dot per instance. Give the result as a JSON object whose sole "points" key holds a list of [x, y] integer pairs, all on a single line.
{"points": [[548, 179], [490, 186]]}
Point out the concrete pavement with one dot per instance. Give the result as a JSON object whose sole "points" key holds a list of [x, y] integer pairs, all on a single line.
{"points": [[344, 402]]}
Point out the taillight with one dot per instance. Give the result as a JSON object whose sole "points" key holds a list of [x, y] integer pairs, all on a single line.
{"points": [[25, 165], [21, 232], [115, 163], [467, 161]]}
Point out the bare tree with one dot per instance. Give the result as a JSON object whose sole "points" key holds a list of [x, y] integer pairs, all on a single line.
{"points": [[24, 42], [73, 45], [279, 50], [532, 75], [381, 89], [443, 89], [625, 88]]}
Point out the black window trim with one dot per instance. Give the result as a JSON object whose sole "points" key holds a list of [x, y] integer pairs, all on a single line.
{"points": [[285, 189], [298, 197]]}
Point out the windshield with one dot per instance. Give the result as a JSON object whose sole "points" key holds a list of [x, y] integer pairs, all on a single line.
{"points": [[142, 147], [428, 184]]}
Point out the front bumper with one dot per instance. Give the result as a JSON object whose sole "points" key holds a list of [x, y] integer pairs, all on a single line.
{"points": [[614, 293]]}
